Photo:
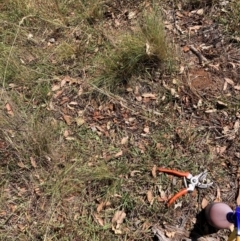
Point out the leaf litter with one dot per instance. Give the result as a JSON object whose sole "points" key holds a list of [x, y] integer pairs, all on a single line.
{"points": [[108, 118]]}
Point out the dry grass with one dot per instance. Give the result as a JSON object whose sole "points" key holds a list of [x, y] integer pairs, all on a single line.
{"points": [[136, 53], [56, 172]]}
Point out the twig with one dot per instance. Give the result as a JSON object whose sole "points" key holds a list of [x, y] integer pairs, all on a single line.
{"points": [[201, 58]]}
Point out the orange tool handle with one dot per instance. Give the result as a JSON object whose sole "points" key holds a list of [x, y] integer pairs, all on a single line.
{"points": [[181, 193], [174, 172]]}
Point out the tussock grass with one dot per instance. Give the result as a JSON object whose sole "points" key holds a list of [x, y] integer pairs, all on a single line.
{"points": [[145, 48]]}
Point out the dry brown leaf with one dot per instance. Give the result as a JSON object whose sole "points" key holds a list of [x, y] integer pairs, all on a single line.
{"points": [[236, 126], [229, 81], [199, 11], [150, 197], [120, 153], [149, 95], [163, 195], [124, 140], [185, 50], [55, 87], [131, 14], [211, 111], [218, 197], [170, 234], [225, 85], [196, 27], [204, 203], [99, 220], [154, 171], [9, 109], [181, 70], [117, 220], [237, 87], [146, 129], [221, 149], [222, 103], [139, 98], [20, 164], [22, 227], [68, 119], [102, 205], [33, 162]]}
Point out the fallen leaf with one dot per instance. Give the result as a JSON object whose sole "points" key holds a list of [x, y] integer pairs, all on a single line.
{"points": [[124, 140], [98, 219], [229, 81], [33, 162], [218, 197], [225, 85], [154, 171], [199, 11], [68, 119], [221, 149], [150, 197], [182, 68], [196, 27], [117, 220], [120, 153], [237, 154], [149, 95], [170, 234], [204, 203], [102, 205], [20, 164], [9, 109], [22, 227], [236, 126], [163, 197], [129, 89], [222, 103], [146, 129], [139, 98], [186, 49], [131, 15], [211, 111], [55, 87], [237, 87]]}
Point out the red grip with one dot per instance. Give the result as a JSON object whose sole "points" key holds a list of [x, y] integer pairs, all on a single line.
{"points": [[177, 173], [176, 196]]}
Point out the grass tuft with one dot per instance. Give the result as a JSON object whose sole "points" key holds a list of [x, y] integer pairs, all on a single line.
{"points": [[135, 53]]}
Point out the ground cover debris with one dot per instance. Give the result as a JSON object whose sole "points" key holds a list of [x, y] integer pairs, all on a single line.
{"points": [[95, 96]]}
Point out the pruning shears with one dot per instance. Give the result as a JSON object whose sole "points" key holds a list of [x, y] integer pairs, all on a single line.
{"points": [[190, 182]]}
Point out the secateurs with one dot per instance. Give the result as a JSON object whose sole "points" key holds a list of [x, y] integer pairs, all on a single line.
{"points": [[193, 181]]}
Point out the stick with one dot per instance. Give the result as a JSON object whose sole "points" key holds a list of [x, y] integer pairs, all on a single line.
{"points": [[199, 55]]}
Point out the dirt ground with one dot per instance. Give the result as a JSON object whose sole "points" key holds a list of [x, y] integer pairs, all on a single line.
{"points": [[188, 120]]}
